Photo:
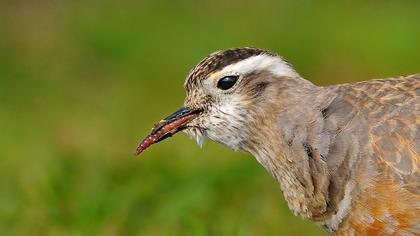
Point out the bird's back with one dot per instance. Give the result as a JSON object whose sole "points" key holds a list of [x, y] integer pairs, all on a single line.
{"points": [[388, 177]]}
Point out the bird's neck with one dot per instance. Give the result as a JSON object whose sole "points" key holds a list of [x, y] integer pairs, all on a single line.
{"points": [[295, 154]]}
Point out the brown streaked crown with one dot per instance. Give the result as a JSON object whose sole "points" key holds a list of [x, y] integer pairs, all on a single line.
{"points": [[218, 60]]}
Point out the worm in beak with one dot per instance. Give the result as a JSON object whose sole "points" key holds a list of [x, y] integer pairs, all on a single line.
{"points": [[167, 127]]}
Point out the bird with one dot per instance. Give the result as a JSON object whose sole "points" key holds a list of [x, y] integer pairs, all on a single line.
{"points": [[346, 156]]}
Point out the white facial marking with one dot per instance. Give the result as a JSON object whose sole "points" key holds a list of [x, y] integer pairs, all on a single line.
{"points": [[275, 65], [227, 122]]}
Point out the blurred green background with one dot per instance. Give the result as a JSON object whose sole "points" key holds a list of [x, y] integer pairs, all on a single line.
{"points": [[82, 81]]}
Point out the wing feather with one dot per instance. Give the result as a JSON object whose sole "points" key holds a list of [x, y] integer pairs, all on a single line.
{"points": [[392, 108]]}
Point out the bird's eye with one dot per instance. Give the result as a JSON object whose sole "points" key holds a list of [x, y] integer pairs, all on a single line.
{"points": [[227, 82]]}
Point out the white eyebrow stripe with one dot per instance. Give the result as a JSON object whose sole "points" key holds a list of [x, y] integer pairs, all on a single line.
{"points": [[274, 64]]}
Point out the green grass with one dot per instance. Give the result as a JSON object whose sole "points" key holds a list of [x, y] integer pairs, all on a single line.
{"points": [[81, 82]]}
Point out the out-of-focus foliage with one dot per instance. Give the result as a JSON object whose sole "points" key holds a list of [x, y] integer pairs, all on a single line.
{"points": [[82, 81]]}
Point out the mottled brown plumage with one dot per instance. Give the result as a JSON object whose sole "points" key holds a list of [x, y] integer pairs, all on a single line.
{"points": [[346, 156]]}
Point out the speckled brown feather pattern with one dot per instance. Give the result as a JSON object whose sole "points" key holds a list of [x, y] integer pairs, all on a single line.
{"points": [[345, 156], [392, 108], [387, 200]]}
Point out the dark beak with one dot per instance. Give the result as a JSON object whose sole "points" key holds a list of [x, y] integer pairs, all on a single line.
{"points": [[167, 127]]}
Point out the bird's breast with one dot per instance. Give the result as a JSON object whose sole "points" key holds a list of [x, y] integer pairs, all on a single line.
{"points": [[383, 209]]}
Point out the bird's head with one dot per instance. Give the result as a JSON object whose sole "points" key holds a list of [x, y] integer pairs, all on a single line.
{"points": [[229, 94]]}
